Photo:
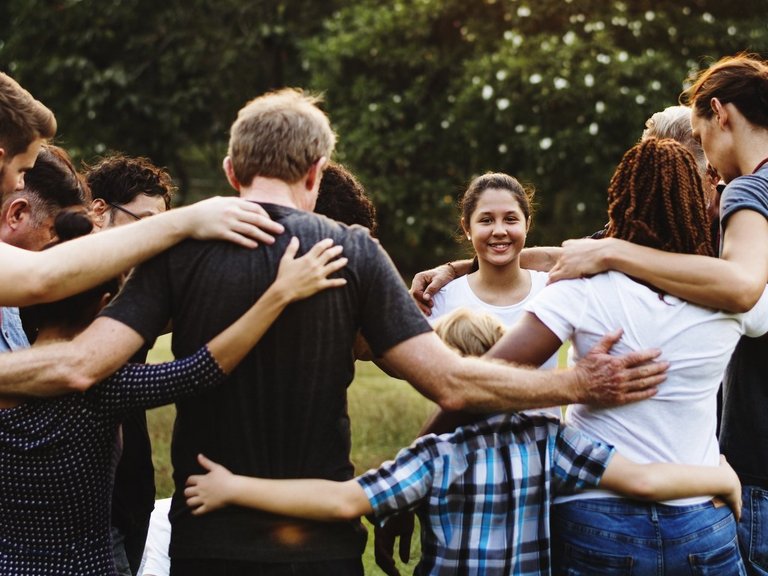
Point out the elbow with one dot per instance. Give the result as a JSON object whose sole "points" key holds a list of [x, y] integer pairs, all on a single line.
{"points": [[745, 300], [344, 511], [451, 396], [641, 487], [77, 377]]}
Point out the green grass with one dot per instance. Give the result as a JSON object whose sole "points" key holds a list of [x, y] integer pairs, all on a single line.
{"points": [[385, 413]]}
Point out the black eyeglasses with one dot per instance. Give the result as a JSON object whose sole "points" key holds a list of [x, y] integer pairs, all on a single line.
{"points": [[125, 210]]}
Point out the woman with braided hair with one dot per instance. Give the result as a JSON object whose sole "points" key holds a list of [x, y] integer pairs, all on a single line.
{"points": [[656, 200], [730, 118]]}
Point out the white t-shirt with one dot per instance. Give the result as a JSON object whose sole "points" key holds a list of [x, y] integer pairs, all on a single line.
{"points": [[458, 294], [156, 561], [678, 424]]}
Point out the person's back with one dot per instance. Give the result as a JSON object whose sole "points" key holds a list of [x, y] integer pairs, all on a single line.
{"points": [[678, 424], [284, 413]]}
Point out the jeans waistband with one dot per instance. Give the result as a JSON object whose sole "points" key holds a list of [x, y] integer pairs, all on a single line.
{"points": [[633, 507]]}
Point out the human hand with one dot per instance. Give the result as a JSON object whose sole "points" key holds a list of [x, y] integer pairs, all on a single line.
{"points": [[581, 258], [428, 283], [733, 496], [605, 380], [208, 492], [400, 525], [233, 219], [302, 277]]}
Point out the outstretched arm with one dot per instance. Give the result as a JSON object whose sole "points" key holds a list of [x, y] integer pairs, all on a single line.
{"points": [[107, 344], [457, 383], [734, 282], [302, 498], [71, 267], [661, 481]]}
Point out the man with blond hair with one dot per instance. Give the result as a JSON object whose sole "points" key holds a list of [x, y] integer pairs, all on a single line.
{"points": [[282, 413]]}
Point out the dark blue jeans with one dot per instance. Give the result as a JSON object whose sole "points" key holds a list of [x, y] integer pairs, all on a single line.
{"points": [[753, 530], [611, 536]]}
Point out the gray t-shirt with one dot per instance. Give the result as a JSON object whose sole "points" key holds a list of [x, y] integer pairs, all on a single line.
{"points": [[744, 426], [283, 412]]}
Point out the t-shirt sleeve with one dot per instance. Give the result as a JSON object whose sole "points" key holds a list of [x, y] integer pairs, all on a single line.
{"points": [[144, 302], [756, 320], [560, 306], [402, 483], [578, 461], [748, 192], [388, 314], [151, 385]]}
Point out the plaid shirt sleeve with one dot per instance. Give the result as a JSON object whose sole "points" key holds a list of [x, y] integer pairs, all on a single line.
{"points": [[402, 483], [578, 461]]}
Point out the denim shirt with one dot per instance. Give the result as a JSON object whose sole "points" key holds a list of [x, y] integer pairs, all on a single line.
{"points": [[12, 336]]}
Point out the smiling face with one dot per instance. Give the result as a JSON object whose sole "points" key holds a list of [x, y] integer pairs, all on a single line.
{"points": [[497, 227]]}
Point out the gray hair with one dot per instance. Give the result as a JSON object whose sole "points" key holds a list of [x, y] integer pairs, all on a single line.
{"points": [[675, 122]]}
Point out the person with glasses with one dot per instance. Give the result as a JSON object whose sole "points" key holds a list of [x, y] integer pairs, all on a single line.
{"points": [[126, 189]]}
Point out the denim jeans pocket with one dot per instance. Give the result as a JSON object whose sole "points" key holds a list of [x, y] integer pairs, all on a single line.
{"points": [[753, 528], [580, 561], [725, 561]]}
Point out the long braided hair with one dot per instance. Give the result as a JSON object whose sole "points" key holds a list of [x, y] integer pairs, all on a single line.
{"points": [[656, 199]]}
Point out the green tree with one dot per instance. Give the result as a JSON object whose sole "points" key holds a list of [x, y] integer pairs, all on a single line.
{"points": [[161, 79], [428, 93]]}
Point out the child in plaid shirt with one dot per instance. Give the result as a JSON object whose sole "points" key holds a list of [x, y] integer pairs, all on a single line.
{"points": [[483, 492]]}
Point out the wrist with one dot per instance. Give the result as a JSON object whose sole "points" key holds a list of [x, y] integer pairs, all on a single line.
{"points": [[452, 268]]}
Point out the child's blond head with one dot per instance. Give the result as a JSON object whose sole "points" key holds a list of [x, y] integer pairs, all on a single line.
{"points": [[469, 333]]}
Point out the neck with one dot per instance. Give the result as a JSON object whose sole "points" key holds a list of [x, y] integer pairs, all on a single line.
{"points": [[751, 147], [499, 276], [274, 191]]}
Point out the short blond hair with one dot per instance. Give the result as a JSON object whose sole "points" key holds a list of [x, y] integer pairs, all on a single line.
{"points": [[279, 135], [469, 333]]}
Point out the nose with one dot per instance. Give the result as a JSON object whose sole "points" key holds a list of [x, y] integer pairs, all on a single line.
{"points": [[498, 228]]}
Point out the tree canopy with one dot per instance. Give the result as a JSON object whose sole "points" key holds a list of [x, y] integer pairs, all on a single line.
{"points": [[425, 94]]}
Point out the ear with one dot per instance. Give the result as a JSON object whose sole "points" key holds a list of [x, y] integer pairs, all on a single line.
{"points": [[315, 173], [720, 111], [527, 224], [464, 227], [229, 170], [17, 212], [99, 209], [2, 155]]}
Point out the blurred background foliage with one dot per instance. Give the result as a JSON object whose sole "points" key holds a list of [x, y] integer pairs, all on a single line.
{"points": [[425, 94]]}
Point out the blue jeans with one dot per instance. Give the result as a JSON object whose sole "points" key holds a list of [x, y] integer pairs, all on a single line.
{"points": [[611, 536], [753, 530]]}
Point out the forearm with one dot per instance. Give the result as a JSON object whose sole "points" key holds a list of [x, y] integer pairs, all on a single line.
{"points": [[79, 264], [232, 345], [540, 258], [74, 366], [663, 481], [712, 282], [302, 498]]}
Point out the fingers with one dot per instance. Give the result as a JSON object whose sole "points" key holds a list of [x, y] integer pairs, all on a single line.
{"points": [[292, 248], [652, 374], [256, 215], [644, 357], [206, 463], [607, 342]]}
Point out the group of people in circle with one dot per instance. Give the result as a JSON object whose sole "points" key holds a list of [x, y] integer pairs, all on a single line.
{"points": [[612, 465]]}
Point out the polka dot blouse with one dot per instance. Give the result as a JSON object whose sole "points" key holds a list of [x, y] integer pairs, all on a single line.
{"points": [[57, 463]]}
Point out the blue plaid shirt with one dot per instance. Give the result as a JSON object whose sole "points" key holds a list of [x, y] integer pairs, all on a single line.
{"points": [[483, 493]]}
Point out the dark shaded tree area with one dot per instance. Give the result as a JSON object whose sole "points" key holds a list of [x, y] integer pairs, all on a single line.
{"points": [[424, 94]]}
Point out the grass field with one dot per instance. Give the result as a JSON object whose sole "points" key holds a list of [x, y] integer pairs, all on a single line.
{"points": [[386, 414]]}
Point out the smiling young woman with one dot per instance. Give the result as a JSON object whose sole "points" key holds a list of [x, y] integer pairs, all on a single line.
{"points": [[495, 217]]}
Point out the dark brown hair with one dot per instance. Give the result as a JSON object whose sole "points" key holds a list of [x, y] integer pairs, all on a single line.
{"points": [[741, 80], [656, 199], [499, 180], [119, 179], [22, 118]]}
